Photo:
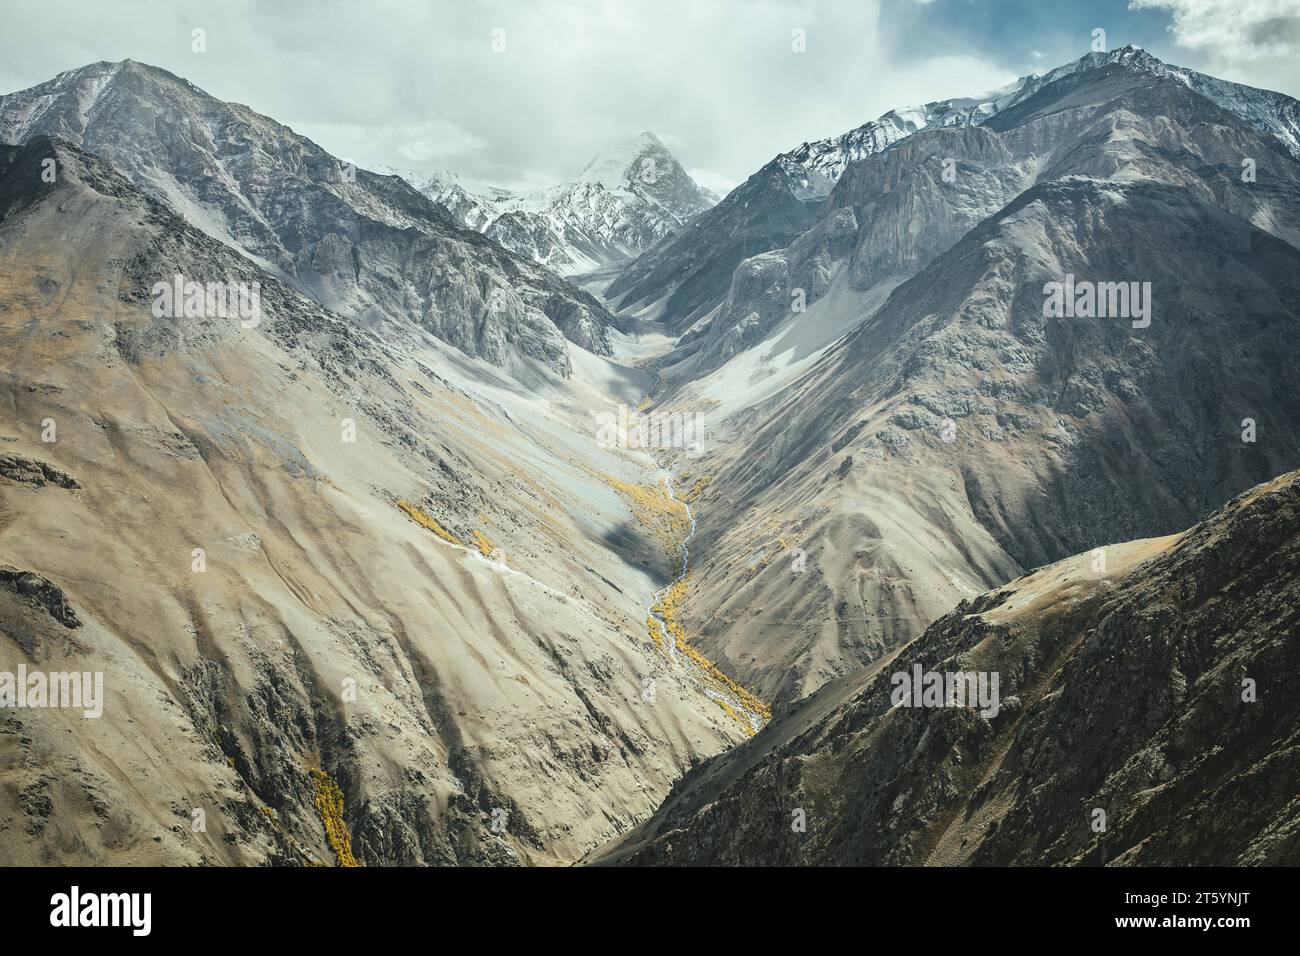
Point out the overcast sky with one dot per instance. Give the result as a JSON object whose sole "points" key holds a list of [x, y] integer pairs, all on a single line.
{"points": [[418, 84]]}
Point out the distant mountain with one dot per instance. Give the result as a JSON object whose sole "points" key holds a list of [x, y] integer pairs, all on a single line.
{"points": [[369, 247], [474, 209], [1145, 718], [691, 271], [622, 203]]}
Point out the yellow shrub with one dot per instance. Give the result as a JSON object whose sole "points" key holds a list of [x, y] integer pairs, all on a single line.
{"points": [[697, 489], [424, 521], [731, 712], [329, 804], [657, 511], [484, 545]]}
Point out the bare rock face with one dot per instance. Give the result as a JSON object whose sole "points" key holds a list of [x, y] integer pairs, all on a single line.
{"points": [[691, 269], [885, 219], [40, 592], [369, 247], [1145, 718], [32, 471]]}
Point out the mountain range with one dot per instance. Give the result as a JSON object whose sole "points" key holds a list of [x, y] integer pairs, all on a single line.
{"points": [[690, 275], [922, 431], [1002, 385]]}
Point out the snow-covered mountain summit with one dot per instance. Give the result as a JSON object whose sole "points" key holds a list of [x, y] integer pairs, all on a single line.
{"points": [[623, 202], [815, 167]]}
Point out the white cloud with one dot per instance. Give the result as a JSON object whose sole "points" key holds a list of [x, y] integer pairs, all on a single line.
{"points": [[1234, 29], [420, 145], [1248, 41], [710, 180], [415, 82]]}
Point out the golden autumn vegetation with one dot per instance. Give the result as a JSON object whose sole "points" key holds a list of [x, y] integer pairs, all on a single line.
{"points": [[697, 488], [424, 521], [329, 804], [731, 712], [653, 626], [657, 510], [484, 544], [669, 521], [668, 608]]}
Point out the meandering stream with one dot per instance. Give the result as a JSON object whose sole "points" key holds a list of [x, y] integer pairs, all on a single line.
{"points": [[755, 720]]}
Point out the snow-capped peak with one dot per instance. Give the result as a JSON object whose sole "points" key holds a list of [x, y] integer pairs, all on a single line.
{"points": [[1266, 110], [815, 167], [625, 200], [616, 168], [467, 203]]}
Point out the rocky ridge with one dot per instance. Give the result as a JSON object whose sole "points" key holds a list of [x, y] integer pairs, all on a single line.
{"points": [[368, 247]]}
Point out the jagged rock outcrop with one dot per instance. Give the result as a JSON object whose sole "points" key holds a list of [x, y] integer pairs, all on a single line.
{"points": [[40, 592], [32, 471]]}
